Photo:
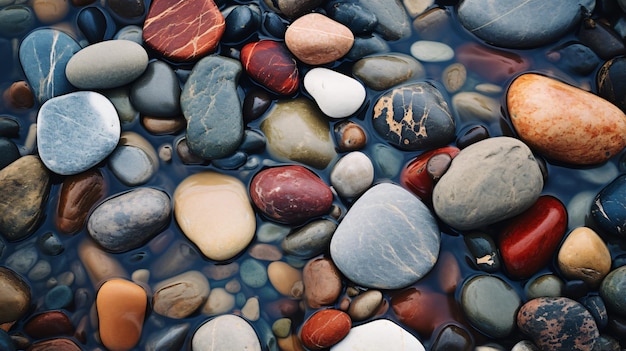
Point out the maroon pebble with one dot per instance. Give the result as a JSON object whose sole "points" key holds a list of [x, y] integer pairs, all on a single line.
{"points": [[49, 324], [270, 64]]}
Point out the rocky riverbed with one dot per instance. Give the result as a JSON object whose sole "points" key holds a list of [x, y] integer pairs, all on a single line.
{"points": [[311, 175]]}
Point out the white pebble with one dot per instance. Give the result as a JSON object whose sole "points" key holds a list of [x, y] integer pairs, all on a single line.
{"points": [[431, 51], [352, 175], [336, 94]]}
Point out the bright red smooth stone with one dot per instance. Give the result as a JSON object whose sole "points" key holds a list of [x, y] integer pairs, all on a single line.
{"points": [[415, 178], [529, 240], [325, 328], [270, 64]]}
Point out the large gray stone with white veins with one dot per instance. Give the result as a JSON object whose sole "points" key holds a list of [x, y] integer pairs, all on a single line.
{"points": [[387, 240], [76, 131]]}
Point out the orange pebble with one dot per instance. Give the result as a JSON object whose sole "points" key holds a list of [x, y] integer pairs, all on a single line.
{"points": [[121, 306]]}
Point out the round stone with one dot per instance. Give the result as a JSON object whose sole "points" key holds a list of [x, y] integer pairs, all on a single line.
{"points": [[585, 256], [431, 51], [322, 282], [316, 39], [352, 174], [226, 332], [134, 161], [373, 227], [336, 94]]}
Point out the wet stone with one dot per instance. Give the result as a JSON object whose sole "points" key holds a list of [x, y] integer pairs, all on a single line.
{"points": [[44, 55], [8, 152], [225, 332], [608, 210], [130, 32], [24, 189], [76, 131], [325, 328], [50, 244], [414, 117], [601, 38], [156, 92], [9, 127], [19, 95], [558, 323], [270, 64], [163, 126], [295, 8], [576, 58], [473, 106], [431, 51], [256, 102], [15, 296], [212, 107], [49, 324], [484, 251], [283, 277], [50, 11], [134, 161], [595, 305], [521, 24], [16, 20], [169, 339], [610, 81], [60, 296], [127, 8], [349, 136], [547, 285], [177, 30], [358, 246], [241, 22], [316, 39], [336, 94], [585, 256], [518, 187], [353, 16], [352, 175], [423, 310], [612, 289], [367, 45], [453, 337], [120, 99], [393, 20], [78, 194], [92, 22], [384, 71], [322, 282], [454, 77], [180, 296], [60, 344], [309, 240], [493, 64], [365, 305], [128, 220], [381, 334]]}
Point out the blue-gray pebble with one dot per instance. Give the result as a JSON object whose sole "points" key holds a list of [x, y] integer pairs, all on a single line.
{"points": [[387, 240], [157, 92], [58, 297], [612, 291], [16, 20], [609, 208], [253, 273]]}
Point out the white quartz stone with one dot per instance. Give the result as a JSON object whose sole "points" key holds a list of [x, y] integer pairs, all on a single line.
{"points": [[336, 94], [353, 174], [381, 334]]}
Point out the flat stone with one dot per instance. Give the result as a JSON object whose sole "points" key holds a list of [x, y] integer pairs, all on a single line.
{"points": [[128, 220], [107, 64], [431, 51], [381, 334], [316, 39], [181, 295], [336, 94], [469, 196], [386, 219], [521, 23], [24, 190], [76, 131], [44, 55], [134, 161], [214, 212], [384, 71], [156, 92], [211, 105], [226, 332], [14, 296], [183, 31]]}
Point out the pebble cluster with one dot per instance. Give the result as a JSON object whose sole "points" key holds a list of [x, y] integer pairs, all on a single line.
{"points": [[312, 175]]}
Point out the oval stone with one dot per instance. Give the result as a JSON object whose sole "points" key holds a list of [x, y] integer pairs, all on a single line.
{"points": [[14, 296], [214, 212], [121, 307], [226, 332], [16, 20], [78, 194], [134, 161], [76, 131], [558, 323], [316, 39], [181, 295], [585, 256], [270, 64], [283, 277], [468, 196], [290, 194], [414, 117], [128, 220], [381, 72], [381, 334], [107, 64], [336, 94], [608, 210], [325, 328], [352, 174], [156, 92], [528, 241], [322, 282], [563, 122], [309, 240], [374, 227], [49, 324], [612, 291]]}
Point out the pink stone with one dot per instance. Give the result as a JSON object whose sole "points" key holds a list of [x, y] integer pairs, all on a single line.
{"points": [[183, 30], [316, 39], [270, 64], [290, 194], [325, 328], [322, 282]]}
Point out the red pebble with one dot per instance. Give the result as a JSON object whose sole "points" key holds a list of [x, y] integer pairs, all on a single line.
{"points": [[495, 65], [78, 194], [415, 177], [270, 64], [290, 194], [49, 324], [325, 328], [183, 30], [529, 240]]}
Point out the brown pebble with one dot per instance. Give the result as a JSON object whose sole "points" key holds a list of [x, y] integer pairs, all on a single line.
{"points": [[50, 11], [19, 95], [78, 194], [222, 271], [349, 136], [322, 282], [163, 126], [265, 252], [55, 345], [49, 324]]}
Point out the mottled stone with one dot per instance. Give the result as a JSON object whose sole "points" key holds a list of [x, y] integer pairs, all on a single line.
{"points": [[225, 332], [384, 71], [134, 161], [378, 246], [183, 30], [290, 194], [490, 304], [325, 328], [414, 117], [612, 291], [336, 94], [44, 55], [156, 92], [322, 282], [212, 107], [121, 307], [393, 20], [270, 64], [608, 210], [521, 24], [128, 220], [181, 295], [381, 334], [14, 296], [563, 122], [214, 212], [76, 131], [467, 196], [585, 256], [107, 64], [24, 189], [558, 323], [297, 131], [316, 39], [78, 194]]}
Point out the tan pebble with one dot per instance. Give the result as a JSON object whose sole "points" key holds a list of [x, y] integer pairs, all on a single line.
{"points": [[219, 302], [100, 265], [265, 252], [181, 295], [50, 11], [163, 126], [416, 7], [121, 307], [365, 305], [290, 343], [297, 290], [251, 310], [322, 282], [140, 276], [585, 256], [233, 286], [282, 327], [316, 39], [222, 271], [344, 304], [165, 153], [283, 276], [352, 291], [454, 77]]}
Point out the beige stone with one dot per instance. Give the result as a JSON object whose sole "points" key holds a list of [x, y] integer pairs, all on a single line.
{"points": [[563, 122], [365, 305], [100, 265], [219, 302], [51, 11], [14, 296], [316, 39], [283, 277], [584, 256], [180, 296], [214, 212], [121, 306]]}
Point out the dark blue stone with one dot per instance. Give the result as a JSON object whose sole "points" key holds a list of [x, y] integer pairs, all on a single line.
{"points": [[353, 16], [241, 23], [6, 343], [8, 152], [6, 57], [367, 45], [44, 54], [168, 339], [233, 161], [609, 208], [156, 92], [16, 20], [253, 141], [50, 244], [92, 23], [58, 297], [578, 59], [595, 305], [274, 25]]}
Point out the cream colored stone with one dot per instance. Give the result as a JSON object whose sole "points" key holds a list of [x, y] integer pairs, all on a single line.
{"points": [[100, 265], [51, 11], [214, 212], [219, 302], [584, 256], [283, 277], [316, 39], [180, 296], [251, 310], [365, 305]]}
